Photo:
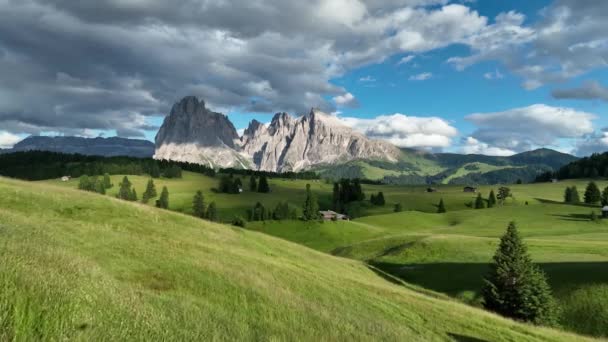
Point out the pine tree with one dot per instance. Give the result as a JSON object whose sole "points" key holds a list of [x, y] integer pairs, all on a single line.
{"points": [[441, 207], [503, 194], [107, 182], [237, 186], [311, 207], [592, 193], [575, 196], [515, 287], [198, 205], [491, 199], [124, 192], [373, 200], [605, 196], [479, 204], [263, 185], [253, 184], [163, 200], [212, 212], [150, 191], [380, 198], [398, 208], [133, 196], [99, 187], [568, 195]]}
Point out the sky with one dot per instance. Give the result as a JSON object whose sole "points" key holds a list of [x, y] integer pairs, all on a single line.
{"points": [[487, 76]]}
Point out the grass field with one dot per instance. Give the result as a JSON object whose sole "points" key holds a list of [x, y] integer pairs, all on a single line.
{"points": [[411, 197], [81, 266], [450, 252]]}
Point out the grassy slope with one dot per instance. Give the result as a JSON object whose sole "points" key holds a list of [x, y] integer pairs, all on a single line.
{"points": [[81, 266], [479, 167], [450, 252]]}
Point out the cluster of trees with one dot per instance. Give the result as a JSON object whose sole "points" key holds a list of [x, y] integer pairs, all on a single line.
{"points": [[282, 211], [515, 287], [346, 191], [230, 185], [95, 184], [201, 210], [480, 203], [592, 195], [125, 192], [377, 199], [593, 166], [269, 174], [40, 165]]}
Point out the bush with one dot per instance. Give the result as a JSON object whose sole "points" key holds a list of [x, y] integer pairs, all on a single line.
{"points": [[238, 221]]}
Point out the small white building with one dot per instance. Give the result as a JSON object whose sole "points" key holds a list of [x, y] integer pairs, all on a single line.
{"points": [[330, 215], [65, 178]]}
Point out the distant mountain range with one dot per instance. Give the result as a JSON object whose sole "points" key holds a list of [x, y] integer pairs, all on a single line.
{"points": [[315, 141], [107, 147]]}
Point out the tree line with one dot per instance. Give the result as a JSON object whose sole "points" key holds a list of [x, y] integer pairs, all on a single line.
{"points": [[593, 166]]}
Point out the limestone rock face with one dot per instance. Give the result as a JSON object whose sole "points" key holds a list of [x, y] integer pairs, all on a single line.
{"points": [[193, 133]]}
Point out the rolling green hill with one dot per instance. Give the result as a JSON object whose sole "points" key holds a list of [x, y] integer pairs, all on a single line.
{"points": [[450, 252], [81, 266], [416, 167]]}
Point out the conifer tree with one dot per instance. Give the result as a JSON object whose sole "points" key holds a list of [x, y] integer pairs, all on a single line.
{"points": [[133, 196], [253, 184], [237, 186], [163, 200], [479, 204], [263, 185], [198, 205], [605, 196], [575, 196], [310, 210], [491, 199], [515, 287], [107, 182], [441, 207], [124, 192], [150, 191], [398, 208], [212, 212], [592, 193], [568, 195], [380, 198]]}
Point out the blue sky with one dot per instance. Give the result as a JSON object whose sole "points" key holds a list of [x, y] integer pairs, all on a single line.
{"points": [[485, 76]]}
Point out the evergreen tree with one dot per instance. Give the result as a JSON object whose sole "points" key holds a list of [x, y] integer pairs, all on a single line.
{"points": [[124, 192], [479, 204], [263, 185], [441, 207], [133, 196], [503, 194], [253, 184], [84, 183], [150, 191], [198, 205], [212, 212], [373, 200], [238, 221], [337, 204], [592, 193], [163, 200], [311, 207], [99, 187], [515, 287], [225, 185], [380, 198], [107, 182], [605, 196], [568, 195], [575, 196], [237, 186], [398, 208], [491, 199]]}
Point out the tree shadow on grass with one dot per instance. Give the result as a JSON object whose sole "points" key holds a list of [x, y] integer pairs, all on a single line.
{"points": [[573, 217], [581, 204], [454, 279], [463, 338]]}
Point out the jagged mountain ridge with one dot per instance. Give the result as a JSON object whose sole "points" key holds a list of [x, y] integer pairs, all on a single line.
{"points": [[193, 133]]}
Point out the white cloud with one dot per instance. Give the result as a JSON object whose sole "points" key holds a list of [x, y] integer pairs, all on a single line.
{"points": [[521, 129], [421, 77], [405, 131], [474, 146], [7, 140], [406, 59], [346, 100], [596, 142]]}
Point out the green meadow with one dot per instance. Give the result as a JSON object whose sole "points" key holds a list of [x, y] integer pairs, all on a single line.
{"points": [[86, 267], [446, 253]]}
